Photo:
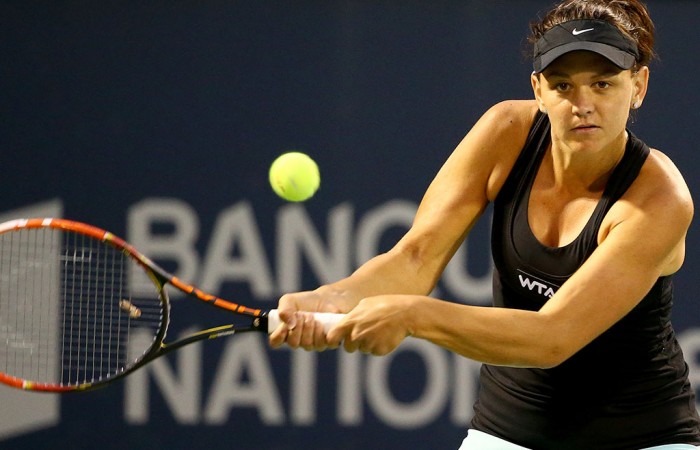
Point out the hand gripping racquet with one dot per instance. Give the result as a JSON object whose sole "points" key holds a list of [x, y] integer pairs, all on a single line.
{"points": [[68, 320]]}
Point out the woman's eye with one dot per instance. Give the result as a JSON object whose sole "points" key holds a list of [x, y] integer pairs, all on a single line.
{"points": [[602, 84], [561, 87]]}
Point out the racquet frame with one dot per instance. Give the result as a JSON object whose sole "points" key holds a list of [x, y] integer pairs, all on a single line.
{"points": [[160, 278]]}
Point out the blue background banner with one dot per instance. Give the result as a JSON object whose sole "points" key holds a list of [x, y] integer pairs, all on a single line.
{"points": [[158, 120]]}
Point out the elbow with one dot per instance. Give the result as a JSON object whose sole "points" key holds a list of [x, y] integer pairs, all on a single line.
{"points": [[553, 341], [549, 360], [537, 358], [423, 270], [553, 354], [536, 355]]}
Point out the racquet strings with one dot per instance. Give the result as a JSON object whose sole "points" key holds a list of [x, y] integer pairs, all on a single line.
{"points": [[67, 316]]}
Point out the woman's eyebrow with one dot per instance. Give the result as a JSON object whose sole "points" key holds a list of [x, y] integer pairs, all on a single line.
{"points": [[559, 74]]}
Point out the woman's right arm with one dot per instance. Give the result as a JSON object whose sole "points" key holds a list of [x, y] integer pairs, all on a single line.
{"points": [[470, 178]]}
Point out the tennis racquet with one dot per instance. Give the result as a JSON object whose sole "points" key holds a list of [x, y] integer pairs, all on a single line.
{"points": [[68, 321]]}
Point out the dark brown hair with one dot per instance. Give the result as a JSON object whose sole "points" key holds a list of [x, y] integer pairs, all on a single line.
{"points": [[631, 17]]}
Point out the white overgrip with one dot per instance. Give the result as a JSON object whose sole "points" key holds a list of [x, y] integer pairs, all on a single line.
{"points": [[328, 320]]}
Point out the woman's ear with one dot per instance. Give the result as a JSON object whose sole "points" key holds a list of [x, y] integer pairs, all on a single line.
{"points": [[537, 90], [641, 83]]}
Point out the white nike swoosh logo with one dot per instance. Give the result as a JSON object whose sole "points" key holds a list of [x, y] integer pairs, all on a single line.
{"points": [[577, 32]]}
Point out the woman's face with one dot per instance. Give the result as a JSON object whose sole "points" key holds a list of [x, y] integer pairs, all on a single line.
{"points": [[588, 99]]}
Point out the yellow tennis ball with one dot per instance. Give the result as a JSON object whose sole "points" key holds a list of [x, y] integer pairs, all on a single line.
{"points": [[294, 176]]}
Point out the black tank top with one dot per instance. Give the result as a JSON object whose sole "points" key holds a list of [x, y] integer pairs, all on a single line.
{"points": [[629, 388]]}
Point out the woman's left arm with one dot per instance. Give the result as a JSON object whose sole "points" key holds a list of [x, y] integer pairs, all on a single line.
{"points": [[641, 239]]}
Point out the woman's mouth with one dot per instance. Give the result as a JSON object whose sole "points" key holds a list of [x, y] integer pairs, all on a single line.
{"points": [[585, 128]]}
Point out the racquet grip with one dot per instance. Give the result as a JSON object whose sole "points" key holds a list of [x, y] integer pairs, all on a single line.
{"points": [[328, 320]]}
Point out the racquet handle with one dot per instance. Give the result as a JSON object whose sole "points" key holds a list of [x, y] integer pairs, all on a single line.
{"points": [[327, 319]]}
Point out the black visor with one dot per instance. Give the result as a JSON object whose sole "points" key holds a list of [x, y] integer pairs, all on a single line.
{"points": [[596, 36]]}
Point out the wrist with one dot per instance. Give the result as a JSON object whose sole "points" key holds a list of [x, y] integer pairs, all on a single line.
{"points": [[335, 300], [413, 312]]}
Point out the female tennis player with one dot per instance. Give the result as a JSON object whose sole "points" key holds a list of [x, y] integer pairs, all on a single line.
{"points": [[589, 226]]}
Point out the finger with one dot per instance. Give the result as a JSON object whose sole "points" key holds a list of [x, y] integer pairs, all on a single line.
{"points": [[350, 346], [307, 338], [314, 337], [287, 311], [363, 348], [338, 333], [295, 334], [278, 336], [319, 337]]}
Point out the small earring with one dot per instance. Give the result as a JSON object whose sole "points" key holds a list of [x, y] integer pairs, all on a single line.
{"points": [[635, 105]]}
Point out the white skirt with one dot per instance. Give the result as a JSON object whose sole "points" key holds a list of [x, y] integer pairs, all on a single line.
{"points": [[478, 440]]}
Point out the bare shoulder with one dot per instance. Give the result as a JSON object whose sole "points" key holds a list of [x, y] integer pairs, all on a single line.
{"points": [[478, 167], [657, 209], [505, 128], [659, 198], [510, 116], [662, 184]]}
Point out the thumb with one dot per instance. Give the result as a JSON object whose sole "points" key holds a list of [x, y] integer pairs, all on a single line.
{"points": [[337, 334], [288, 317]]}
